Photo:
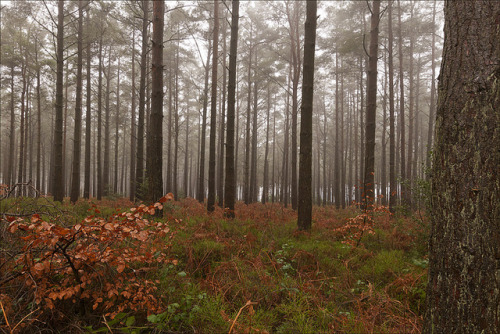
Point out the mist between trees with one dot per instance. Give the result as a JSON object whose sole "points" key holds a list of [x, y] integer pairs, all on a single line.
{"points": [[91, 136]]}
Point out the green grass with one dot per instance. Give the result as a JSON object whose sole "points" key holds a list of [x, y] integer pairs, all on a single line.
{"points": [[300, 282]]}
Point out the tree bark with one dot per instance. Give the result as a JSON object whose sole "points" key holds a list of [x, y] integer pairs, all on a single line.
{"points": [[117, 126], [371, 92], [58, 176], [463, 292], [230, 182], [305, 168], [75, 181], [99, 125], [88, 117], [433, 92], [220, 177], [392, 144], [213, 111], [133, 135], [139, 169], [154, 159], [402, 110], [201, 178]]}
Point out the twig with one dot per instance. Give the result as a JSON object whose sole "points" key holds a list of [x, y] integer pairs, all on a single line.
{"points": [[5, 315], [249, 302]]}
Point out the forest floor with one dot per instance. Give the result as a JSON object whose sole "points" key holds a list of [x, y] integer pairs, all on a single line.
{"points": [[102, 267]]}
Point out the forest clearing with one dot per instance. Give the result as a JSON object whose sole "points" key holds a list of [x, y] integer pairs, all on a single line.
{"points": [[221, 166]]}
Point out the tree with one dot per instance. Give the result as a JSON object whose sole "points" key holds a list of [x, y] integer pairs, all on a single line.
{"points": [[305, 167], [229, 184], [88, 118], [154, 166], [371, 91], [213, 111], [58, 176], [139, 168], [75, 181], [392, 143], [463, 292]]}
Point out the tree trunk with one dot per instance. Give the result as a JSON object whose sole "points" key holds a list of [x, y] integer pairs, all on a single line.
{"points": [[133, 136], [176, 121], [246, 183], [230, 182], [337, 133], [154, 159], [220, 176], [107, 138], [402, 110], [433, 92], [213, 111], [201, 178], [99, 125], [75, 181], [392, 147], [10, 166], [253, 174], [117, 126], [39, 123], [88, 117], [371, 92], [265, 182], [58, 176], [305, 168], [139, 169], [463, 292]]}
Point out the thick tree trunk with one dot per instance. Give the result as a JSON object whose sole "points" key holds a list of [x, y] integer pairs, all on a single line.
{"points": [[58, 176], [230, 182], [154, 159], [463, 293], [305, 168], [75, 181], [371, 91]]}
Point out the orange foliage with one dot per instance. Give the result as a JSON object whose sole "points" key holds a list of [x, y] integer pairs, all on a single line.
{"points": [[96, 262]]}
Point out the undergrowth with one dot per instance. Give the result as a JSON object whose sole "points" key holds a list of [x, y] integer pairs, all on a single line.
{"points": [[103, 267]]}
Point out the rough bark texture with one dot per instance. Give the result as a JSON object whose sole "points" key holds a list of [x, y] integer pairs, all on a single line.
{"points": [[58, 176], [463, 293], [155, 148], [230, 182], [305, 167]]}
